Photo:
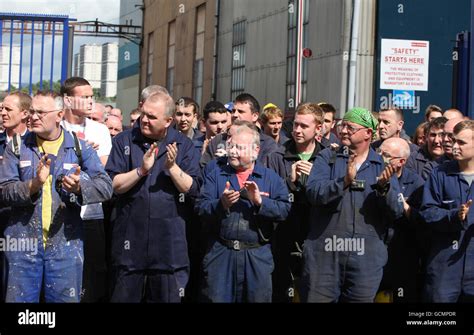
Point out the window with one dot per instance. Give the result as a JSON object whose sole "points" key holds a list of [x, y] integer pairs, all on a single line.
{"points": [[238, 59], [198, 75], [291, 55], [149, 61], [171, 50]]}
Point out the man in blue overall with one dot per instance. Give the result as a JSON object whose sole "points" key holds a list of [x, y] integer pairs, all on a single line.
{"points": [[241, 200], [14, 114], [447, 198], [154, 169], [353, 197], [406, 242], [46, 183], [293, 163]]}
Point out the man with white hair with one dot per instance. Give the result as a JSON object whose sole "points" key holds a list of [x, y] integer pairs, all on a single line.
{"points": [[149, 91], [404, 251], [239, 202], [154, 169], [98, 113], [117, 112], [114, 125]]}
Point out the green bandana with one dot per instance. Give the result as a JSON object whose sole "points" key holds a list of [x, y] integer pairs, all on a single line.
{"points": [[362, 117]]}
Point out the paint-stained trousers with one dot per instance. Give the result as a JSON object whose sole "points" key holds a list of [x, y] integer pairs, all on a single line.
{"points": [[58, 269]]}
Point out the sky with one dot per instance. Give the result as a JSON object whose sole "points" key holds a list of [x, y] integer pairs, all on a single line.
{"points": [[107, 11]]}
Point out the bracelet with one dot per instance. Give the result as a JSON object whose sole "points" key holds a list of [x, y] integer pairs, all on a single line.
{"points": [[139, 173]]}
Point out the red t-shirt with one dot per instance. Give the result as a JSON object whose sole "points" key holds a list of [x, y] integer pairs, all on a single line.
{"points": [[242, 176]]}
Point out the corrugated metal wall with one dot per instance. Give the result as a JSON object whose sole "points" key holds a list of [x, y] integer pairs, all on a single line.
{"points": [[266, 40], [365, 57], [327, 38], [266, 45]]}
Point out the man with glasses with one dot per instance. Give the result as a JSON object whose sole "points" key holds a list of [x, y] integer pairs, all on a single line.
{"points": [[79, 104], [353, 196], [239, 202], [406, 234], [46, 183]]}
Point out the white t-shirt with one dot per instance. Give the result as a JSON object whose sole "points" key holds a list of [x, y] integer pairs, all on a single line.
{"points": [[92, 131], [98, 133]]}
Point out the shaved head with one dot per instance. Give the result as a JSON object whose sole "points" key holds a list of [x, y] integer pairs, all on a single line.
{"points": [[453, 114], [451, 123], [396, 147]]}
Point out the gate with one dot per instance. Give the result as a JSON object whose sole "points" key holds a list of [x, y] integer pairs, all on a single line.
{"points": [[12, 61]]}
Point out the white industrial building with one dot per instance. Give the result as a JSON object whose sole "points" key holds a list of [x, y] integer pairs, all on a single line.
{"points": [[108, 87], [4, 66]]}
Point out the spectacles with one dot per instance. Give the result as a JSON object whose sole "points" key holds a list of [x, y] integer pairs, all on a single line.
{"points": [[41, 114], [448, 135], [350, 129], [387, 155]]}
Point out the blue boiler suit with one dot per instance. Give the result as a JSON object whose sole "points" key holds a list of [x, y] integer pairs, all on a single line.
{"points": [[450, 264], [58, 264], [351, 214], [238, 264], [149, 233]]}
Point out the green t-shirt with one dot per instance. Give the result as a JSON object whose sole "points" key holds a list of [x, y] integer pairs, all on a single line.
{"points": [[305, 156]]}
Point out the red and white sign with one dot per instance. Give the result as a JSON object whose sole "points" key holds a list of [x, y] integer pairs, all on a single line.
{"points": [[404, 65]]}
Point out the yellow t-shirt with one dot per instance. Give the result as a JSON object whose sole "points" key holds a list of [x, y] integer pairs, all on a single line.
{"points": [[51, 148]]}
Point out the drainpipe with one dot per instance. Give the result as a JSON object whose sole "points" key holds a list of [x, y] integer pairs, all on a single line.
{"points": [[216, 50], [346, 46], [140, 49], [353, 58]]}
